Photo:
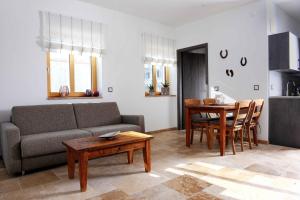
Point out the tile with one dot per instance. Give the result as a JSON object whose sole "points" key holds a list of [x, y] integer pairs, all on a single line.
{"points": [[9, 186], [271, 170], [214, 190], [187, 185], [4, 175], [159, 192], [115, 195], [203, 196], [38, 178], [137, 182], [24, 194]]}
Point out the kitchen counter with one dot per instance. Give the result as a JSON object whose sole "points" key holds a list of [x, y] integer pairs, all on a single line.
{"points": [[284, 97]]}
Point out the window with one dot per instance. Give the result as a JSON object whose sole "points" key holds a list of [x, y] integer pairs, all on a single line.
{"points": [[77, 72], [156, 75]]}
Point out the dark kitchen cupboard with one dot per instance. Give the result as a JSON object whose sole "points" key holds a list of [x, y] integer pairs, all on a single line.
{"points": [[284, 121], [284, 53]]}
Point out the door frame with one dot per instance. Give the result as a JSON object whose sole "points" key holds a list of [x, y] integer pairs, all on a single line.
{"points": [[180, 99]]}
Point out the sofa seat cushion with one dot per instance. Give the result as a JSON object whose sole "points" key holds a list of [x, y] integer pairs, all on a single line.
{"points": [[100, 130], [48, 143]]}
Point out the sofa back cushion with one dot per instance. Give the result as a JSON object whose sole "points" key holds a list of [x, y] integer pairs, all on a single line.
{"points": [[44, 118], [96, 114]]}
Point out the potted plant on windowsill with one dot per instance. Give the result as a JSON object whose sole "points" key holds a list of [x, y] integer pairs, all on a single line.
{"points": [[165, 90], [151, 90]]}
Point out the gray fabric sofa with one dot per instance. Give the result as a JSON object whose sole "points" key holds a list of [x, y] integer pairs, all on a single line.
{"points": [[33, 138]]}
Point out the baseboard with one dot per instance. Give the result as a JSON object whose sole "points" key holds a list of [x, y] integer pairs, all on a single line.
{"points": [[162, 130], [263, 141]]}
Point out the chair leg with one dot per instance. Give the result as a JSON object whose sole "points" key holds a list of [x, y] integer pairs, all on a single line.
{"points": [[242, 139], [192, 136], [209, 134], [232, 141], [255, 135], [201, 135], [249, 137]]}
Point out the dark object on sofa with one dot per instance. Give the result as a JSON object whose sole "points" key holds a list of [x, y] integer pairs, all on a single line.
{"points": [[33, 139]]}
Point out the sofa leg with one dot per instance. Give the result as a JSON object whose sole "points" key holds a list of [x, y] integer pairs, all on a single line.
{"points": [[23, 172]]}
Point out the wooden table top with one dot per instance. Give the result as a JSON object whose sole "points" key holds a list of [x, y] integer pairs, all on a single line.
{"points": [[212, 106], [96, 143]]}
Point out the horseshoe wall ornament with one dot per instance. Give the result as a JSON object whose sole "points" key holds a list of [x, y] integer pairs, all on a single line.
{"points": [[244, 61], [226, 54]]}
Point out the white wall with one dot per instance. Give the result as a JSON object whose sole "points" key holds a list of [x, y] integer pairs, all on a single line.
{"points": [[280, 21], [23, 63], [243, 31]]}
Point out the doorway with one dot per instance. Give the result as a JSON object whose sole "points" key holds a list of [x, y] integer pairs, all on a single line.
{"points": [[192, 80]]}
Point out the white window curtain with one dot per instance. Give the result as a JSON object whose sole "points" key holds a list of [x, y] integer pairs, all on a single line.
{"points": [[158, 49], [60, 32]]}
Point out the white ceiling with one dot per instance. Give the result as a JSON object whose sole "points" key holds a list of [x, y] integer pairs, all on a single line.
{"points": [[292, 7], [170, 12]]}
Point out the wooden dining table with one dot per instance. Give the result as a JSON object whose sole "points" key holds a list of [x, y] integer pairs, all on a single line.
{"points": [[221, 109]]}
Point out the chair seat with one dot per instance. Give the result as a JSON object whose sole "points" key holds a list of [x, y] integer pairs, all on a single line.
{"points": [[229, 123], [200, 119]]}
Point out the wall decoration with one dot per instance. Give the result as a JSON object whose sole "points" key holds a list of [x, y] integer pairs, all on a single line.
{"points": [[229, 72], [244, 61], [222, 54]]}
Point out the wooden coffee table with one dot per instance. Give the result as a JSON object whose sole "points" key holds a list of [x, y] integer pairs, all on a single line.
{"points": [[83, 149]]}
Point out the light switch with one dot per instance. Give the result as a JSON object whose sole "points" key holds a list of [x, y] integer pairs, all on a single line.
{"points": [[256, 87]]}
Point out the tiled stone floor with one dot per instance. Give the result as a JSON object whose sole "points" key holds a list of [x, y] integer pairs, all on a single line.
{"points": [[265, 172]]}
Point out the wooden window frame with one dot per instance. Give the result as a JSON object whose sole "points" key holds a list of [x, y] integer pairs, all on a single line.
{"points": [[154, 80], [72, 77]]}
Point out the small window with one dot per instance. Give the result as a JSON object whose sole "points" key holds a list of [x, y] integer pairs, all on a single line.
{"points": [[160, 76], [148, 76], [156, 75], [76, 72]]}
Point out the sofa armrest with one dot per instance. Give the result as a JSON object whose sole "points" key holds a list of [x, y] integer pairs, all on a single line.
{"points": [[10, 143], [134, 119]]}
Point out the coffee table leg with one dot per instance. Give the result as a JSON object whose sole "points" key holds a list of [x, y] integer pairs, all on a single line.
{"points": [[147, 156], [130, 156], [71, 163], [83, 164]]}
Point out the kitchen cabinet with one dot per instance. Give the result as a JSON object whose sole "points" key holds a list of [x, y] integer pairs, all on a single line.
{"points": [[284, 52], [284, 121]]}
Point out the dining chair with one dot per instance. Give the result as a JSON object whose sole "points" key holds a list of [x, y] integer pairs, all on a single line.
{"points": [[253, 123], [211, 101], [198, 122], [249, 121], [233, 126]]}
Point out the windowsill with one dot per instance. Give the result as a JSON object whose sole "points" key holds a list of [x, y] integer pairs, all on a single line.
{"points": [[158, 95], [65, 98]]}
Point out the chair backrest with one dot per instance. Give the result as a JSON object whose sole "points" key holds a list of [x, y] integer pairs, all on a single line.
{"points": [[251, 113], [236, 113], [188, 102], [245, 106], [259, 104], [209, 101]]}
